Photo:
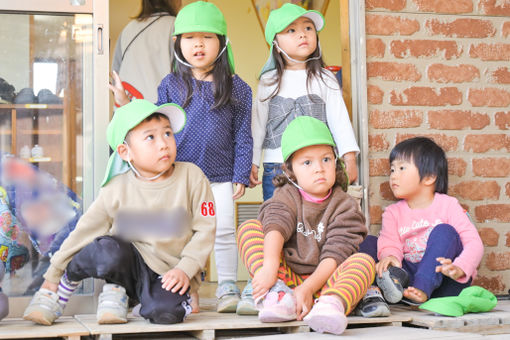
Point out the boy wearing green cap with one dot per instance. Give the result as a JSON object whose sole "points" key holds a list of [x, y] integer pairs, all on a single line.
{"points": [[147, 233]]}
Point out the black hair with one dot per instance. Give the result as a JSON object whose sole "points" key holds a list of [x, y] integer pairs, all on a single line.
{"points": [[156, 115], [150, 7], [314, 68], [341, 178], [222, 75], [427, 156]]}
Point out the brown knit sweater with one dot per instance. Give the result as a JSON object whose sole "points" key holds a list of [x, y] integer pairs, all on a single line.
{"points": [[314, 231]]}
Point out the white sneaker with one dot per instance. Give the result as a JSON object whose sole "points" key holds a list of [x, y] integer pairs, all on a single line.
{"points": [[113, 305], [44, 308]]}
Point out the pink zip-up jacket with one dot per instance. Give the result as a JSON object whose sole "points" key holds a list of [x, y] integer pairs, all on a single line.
{"points": [[405, 232]]}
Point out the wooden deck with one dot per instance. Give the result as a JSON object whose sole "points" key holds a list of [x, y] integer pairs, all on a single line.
{"points": [[404, 323]]}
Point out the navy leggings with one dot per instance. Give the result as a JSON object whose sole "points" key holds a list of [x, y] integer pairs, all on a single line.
{"points": [[444, 241], [119, 262]]}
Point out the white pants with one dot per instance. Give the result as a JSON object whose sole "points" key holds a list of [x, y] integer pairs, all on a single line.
{"points": [[225, 246]]}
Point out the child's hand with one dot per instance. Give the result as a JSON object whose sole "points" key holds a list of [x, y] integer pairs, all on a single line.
{"points": [[50, 286], [254, 176], [239, 191], [175, 280], [447, 268], [262, 281], [383, 265], [304, 300], [350, 166], [119, 94]]}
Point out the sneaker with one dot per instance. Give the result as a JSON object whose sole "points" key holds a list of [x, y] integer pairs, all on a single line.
{"points": [[327, 316], [113, 305], [228, 297], [279, 304], [392, 283], [247, 305], [44, 308], [373, 305]]}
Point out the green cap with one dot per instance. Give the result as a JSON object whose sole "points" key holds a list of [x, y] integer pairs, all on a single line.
{"points": [[201, 16], [281, 18], [129, 116], [304, 131]]}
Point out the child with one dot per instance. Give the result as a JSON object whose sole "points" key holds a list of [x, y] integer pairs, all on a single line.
{"points": [[317, 228], [294, 83], [147, 233], [217, 135], [426, 237]]}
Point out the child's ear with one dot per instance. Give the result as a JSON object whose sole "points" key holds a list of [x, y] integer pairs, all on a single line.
{"points": [[174, 38], [429, 180], [122, 150]]}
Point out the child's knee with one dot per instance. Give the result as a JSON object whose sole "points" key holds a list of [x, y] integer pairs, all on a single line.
{"points": [[444, 231], [165, 312]]}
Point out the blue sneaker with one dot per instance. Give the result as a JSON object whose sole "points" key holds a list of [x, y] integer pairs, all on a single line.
{"points": [[247, 305], [228, 297]]}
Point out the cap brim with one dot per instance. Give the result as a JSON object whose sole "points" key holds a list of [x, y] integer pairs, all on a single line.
{"points": [[175, 114], [316, 17]]}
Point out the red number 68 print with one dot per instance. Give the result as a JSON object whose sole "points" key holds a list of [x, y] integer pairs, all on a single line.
{"points": [[207, 209]]}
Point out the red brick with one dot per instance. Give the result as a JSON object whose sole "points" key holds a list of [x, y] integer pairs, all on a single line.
{"points": [[507, 189], [392, 5], [427, 96], [375, 48], [489, 96], [457, 120], [375, 94], [390, 25], [495, 284], [491, 167], [495, 7], [375, 214], [505, 30], [425, 48], [377, 143], [498, 261], [442, 6], [484, 143], [493, 212], [457, 166], [500, 76], [502, 120], [452, 74], [490, 237], [395, 119], [476, 190], [379, 167], [393, 71], [461, 28], [448, 143], [490, 52], [386, 193], [507, 243]]}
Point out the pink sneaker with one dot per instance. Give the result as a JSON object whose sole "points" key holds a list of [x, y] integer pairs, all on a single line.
{"points": [[327, 316], [279, 305]]}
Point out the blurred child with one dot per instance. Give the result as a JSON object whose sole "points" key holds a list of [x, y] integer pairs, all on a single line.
{"points": [[294, 83], [306, 242], [151, 261], [427, 241], [217, 134]]}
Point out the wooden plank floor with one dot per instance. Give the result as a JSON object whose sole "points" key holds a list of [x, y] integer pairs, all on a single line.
{"points": [[66, 327]]}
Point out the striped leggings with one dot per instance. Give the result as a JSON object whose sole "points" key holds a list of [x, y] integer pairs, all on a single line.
{"points": [[349, 281]]}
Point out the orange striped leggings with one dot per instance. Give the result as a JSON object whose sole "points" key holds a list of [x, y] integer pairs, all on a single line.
{"points": [[350, 280]]}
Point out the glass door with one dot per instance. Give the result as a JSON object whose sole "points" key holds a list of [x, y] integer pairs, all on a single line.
{"points": [[52, 134]]}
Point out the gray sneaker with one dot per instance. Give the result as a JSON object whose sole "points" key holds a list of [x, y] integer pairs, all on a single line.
{"points": [[392, 283], [44, 308], [113, 305], [247, 306], [228, 297]]}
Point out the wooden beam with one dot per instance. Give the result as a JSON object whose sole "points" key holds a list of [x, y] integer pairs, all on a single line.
{"points": [[346, 55]]}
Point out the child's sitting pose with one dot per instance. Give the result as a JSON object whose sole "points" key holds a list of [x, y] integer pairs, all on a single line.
{"points": [[427, 241], [306, 241], [147, 233]]}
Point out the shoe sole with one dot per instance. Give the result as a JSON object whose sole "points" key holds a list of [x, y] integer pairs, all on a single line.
{"points": [[110, 318], [272, 316], [325, 324], [379, 312], [246, 308], [392, 293], [228, 306], [38, 318]]}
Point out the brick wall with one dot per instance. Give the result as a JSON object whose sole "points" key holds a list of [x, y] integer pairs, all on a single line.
{"points": [[442, 69]]}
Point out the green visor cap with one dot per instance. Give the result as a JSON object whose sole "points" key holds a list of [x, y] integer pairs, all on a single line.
{"points": [[304, 131], [283, 17], [201, 16], [129, 116]]}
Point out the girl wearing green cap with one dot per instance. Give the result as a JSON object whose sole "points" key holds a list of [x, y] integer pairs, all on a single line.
{"points": [[305, 241], [293, 83], [217, 134]]}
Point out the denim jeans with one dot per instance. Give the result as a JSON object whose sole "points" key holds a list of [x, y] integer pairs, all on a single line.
{"points": [[271, 170]]}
